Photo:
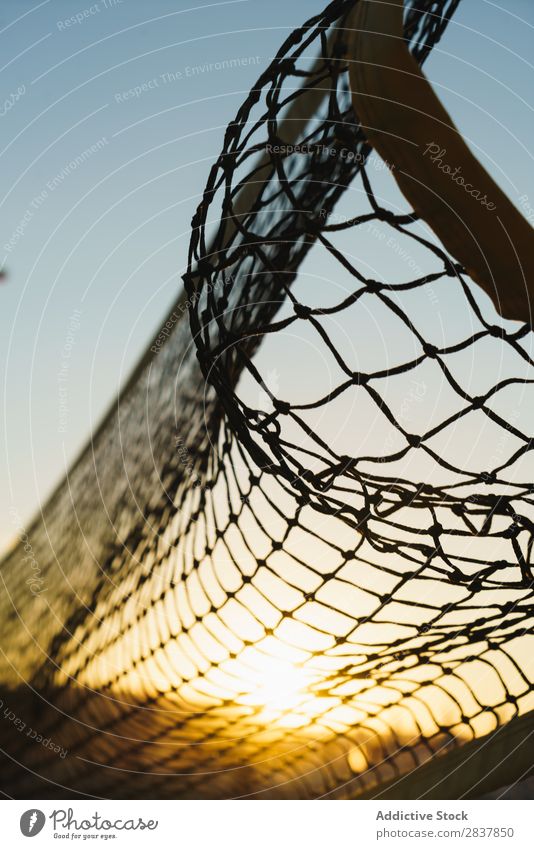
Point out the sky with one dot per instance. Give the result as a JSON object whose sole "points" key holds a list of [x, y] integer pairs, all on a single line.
{"points": [[111, 114]]}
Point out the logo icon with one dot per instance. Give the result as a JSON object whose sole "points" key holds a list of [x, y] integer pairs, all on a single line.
{"points": [[32, 822]]}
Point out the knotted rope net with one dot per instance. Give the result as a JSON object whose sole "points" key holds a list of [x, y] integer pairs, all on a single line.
{"points": [[296, 562]]}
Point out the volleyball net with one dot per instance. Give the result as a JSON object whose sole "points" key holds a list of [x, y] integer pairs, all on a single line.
{"points": [[296, 558]]}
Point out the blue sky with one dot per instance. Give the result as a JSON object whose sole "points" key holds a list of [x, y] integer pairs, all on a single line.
{"points": [[98, 184]]}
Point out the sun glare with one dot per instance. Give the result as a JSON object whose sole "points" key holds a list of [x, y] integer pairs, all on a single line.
{"points": [[277, 684]]}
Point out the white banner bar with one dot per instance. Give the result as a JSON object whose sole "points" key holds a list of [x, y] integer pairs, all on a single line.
{"points": [[270, 824]]}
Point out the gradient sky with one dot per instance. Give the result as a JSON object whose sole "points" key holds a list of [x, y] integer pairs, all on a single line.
{"points": [[108, 242]]}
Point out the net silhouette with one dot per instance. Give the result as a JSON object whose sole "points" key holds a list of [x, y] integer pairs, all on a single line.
{"points": [[235, 598]]}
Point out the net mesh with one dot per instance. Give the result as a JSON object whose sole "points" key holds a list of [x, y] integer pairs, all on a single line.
{"points": [[291, 583]]}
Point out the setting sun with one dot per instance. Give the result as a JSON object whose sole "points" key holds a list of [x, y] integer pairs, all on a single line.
{"points": [[276, 684]]}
